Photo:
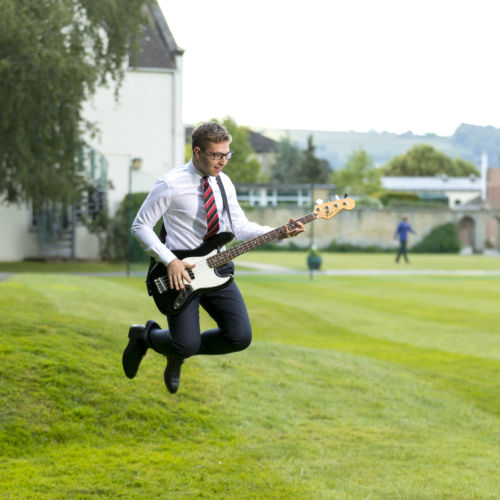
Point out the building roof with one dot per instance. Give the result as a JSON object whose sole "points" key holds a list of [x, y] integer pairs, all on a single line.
{"points": [[261, 143], [157, 48], [438, 183]]}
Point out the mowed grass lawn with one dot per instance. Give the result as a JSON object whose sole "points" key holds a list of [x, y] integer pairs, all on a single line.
{"points": [[295, 260], [354, 387], [369, 261]]}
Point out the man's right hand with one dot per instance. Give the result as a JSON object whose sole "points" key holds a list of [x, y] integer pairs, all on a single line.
{"points": [[177, 272]]}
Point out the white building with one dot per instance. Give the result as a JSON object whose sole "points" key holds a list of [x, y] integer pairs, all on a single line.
{"points": [[145, 122]]}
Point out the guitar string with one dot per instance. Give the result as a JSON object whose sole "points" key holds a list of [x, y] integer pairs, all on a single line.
{"points": [[249, 245], [245, 246]]}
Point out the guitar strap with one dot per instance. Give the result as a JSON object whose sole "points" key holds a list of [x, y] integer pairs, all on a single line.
{"points": [[224, 201], [163, 233]]}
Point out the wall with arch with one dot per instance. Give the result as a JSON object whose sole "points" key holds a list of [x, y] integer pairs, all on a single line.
{"points": [[363, 226]]}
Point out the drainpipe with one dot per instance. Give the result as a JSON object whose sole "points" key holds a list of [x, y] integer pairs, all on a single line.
{"points": [[176, 121], [74, 222], [177, 128]]}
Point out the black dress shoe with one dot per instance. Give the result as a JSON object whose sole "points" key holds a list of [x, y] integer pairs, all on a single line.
{"points": [[136, 348], [172, 373]]}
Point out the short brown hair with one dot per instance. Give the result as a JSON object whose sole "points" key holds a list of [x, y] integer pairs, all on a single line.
{"points": [[209, 132]]}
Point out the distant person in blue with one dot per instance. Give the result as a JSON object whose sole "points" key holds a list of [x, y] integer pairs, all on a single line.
{"points": [[402, 230]]}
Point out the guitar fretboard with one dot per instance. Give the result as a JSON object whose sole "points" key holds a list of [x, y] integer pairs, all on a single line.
{"points": [[224, 257]]}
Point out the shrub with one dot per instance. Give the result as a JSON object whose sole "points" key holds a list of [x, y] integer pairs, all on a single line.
{"points": [[273, 247], [118, 233], [398, 198], [369, 202], [441, 239], [335, 246]]}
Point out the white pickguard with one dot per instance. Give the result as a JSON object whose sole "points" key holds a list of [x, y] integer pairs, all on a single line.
{"points": [[204, 276]]}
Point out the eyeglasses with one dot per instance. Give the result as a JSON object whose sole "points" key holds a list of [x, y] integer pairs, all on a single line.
{"points": [[219, 156]]}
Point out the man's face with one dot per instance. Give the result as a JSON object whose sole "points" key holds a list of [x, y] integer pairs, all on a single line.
{"points": [[204, 158]]}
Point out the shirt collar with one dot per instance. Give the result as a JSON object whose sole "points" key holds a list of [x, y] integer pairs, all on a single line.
{"points": [[192, 169]]}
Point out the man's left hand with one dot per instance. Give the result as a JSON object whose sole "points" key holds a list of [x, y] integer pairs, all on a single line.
{"points": [[292, 232]]}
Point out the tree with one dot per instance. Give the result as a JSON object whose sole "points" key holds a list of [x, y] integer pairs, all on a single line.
{"points": [[424, 160], [53, 55], [288, 162], [313, 170], [244, 166], [359, 175], [294, 165]]}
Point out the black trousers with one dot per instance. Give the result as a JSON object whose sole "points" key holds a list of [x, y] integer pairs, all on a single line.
{"points": [[226, 307]]}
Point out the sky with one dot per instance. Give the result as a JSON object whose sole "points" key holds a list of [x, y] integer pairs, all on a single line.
{"points": [[424, 66]]}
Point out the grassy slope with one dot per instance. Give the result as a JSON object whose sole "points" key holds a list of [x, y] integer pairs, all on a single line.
{"points": [[380, 387]]}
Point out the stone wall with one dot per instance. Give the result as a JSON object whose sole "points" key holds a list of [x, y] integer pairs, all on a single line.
{"points": [[365, 226]]}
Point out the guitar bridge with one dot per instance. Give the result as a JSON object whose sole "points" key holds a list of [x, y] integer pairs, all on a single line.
{"points": [[161, 285]]}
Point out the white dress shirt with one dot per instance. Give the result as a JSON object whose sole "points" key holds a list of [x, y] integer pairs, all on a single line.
{"points": [[178, 197]]}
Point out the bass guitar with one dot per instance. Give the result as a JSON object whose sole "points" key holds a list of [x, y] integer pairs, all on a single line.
{"points": [[208, 257]]}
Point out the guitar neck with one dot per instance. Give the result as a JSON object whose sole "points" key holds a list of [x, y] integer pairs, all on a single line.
{"points": [[224, 257]]}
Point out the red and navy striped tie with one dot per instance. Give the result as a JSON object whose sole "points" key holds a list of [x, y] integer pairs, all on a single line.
{"points": [[211, 209]]}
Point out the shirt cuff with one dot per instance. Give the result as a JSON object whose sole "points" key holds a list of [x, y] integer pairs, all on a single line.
{"points": [[161, 254]]}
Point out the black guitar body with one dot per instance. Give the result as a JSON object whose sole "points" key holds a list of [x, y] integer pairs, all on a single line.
{"points": [[203, 280]]}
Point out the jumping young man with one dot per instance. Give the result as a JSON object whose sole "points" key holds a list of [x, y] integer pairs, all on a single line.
{"points": [[193, 207]]}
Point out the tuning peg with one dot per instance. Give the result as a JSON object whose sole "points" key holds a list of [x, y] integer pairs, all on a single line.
{"points": [[319, 201], [336, 196], [345, 195]]}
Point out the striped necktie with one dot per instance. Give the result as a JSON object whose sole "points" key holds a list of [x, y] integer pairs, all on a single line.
{"points": [[211, 209]]}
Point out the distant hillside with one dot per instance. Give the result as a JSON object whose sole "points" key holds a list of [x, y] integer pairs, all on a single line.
{"points": [[467, 143]]}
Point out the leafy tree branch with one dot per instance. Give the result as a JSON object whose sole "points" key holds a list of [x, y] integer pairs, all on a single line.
{"points": [[53, 55]]}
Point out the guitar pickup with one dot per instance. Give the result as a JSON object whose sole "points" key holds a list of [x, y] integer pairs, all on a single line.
{"points": [[161, 285]]}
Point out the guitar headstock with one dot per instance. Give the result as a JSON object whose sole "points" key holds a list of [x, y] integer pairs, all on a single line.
{"points": [[329, 209]]}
